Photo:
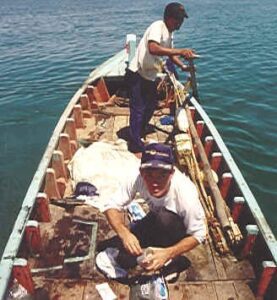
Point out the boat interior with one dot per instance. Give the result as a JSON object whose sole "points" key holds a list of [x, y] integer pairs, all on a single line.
{"points": [[56, 259]]}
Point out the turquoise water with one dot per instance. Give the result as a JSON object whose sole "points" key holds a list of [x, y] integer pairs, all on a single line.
{"points": [[47, 48]]}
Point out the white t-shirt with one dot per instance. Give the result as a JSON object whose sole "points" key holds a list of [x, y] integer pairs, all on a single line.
{"points": [[146, 64], [182, 198]]}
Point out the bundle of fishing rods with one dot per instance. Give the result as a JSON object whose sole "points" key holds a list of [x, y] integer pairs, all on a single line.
{"points": [[192, 157]]}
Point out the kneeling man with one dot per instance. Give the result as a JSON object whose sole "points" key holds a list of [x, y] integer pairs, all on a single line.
{"points": [[175, 223]]}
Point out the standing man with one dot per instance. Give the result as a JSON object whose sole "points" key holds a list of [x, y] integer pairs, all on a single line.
{"points": [[175, 223], [140, 77]]}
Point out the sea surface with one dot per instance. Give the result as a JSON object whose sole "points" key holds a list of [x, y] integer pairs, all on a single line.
{"points": [[48, 48]]}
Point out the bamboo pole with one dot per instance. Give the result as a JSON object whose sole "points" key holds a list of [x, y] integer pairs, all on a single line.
{"points": [[220, 204], [207, 204], [229, 227]]}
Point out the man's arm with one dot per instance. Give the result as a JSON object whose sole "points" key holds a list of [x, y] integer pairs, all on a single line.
{"points": [[162, 255], [185, 245], [178, 62], [156, 49], [128, 239]]}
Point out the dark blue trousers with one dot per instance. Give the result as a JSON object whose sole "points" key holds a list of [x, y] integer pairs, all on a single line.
{"points": [[162, 229], [143, 101]]}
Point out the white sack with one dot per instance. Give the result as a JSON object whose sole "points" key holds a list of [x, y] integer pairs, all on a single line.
{"points": [[104, 165]]}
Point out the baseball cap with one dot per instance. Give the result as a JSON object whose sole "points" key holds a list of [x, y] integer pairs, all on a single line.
{"points": [[175, 10], [157, 155]]}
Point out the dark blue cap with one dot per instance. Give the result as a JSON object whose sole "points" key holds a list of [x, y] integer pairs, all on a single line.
{"points": [[85, 189], [157, 155], [175, 10]]}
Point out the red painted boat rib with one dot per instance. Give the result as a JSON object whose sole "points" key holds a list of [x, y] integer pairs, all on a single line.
{"points": [[21, 272], [269, 269], [216, 160]]}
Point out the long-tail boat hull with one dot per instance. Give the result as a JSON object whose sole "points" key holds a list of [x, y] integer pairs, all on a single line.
{"points": [[51, 251]]}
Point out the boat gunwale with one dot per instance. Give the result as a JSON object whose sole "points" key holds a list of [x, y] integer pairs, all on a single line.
{"points": [[16, 236], [256, 212]]}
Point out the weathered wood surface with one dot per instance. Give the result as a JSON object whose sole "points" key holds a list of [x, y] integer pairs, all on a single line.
{"points": [[217, 290], [120, 122], [67, 290], [113, 111]]}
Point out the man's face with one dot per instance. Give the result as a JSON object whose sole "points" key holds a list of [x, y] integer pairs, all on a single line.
{"points": [[157, 180], [178, 23], [174, 24]]}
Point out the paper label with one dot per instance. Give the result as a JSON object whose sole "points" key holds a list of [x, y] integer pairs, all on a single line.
{"points": [[105, 291]]}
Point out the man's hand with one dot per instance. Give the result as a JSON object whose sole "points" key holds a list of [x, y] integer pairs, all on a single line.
{"points": [[131, 243], [187, 68], [188, 53], [157, 259]]}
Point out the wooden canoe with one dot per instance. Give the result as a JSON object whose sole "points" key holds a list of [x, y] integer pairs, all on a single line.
{"points": [[238, 261]]}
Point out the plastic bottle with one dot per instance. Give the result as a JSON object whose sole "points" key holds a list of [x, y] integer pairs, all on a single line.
{"points": [[145, 255], [154, 289]]}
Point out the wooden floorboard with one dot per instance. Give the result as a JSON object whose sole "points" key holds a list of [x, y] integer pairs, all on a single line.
{"points": [[221, 272], [197, 291], [202, 291], [90, 292], [225, 290], [236, 269], [86, 132], [67, 290], [108, 124], [202, 265], [122, 291], [119, 123], [86, 289], [48, 234], [243, 291], [114, 111], [209, 290]]}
